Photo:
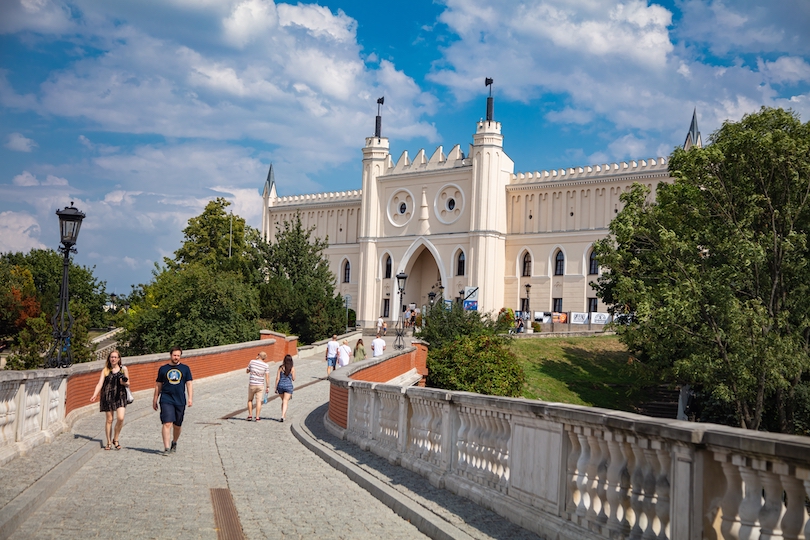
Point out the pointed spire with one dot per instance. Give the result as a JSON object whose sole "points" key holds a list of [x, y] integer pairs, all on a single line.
{"points": [[693, 137], [270, 184]]}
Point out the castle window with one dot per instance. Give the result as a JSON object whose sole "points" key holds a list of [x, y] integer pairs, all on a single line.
{"points": [[387, 266], [460, 264], [403, 208], [593, 305], [347, 272], [593, 266], [556, 305], [559, 264], [451, 204], [527, 265]]}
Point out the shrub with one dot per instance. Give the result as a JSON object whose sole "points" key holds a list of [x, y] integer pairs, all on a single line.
{"points": [[476, 363], [537, 327]]}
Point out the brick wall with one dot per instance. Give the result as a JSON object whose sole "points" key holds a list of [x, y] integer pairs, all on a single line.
{"points": [[203, 363], [396, 366], [339, 405]]}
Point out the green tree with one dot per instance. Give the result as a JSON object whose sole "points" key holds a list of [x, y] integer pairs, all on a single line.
{"points": [[192, 307], [18, 300], [469, 352], [710, 281], [300, 288], [35, 340]]}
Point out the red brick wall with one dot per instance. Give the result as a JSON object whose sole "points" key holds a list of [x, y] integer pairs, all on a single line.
{"points": [[339, 405], [142, 375], [394, 367]]}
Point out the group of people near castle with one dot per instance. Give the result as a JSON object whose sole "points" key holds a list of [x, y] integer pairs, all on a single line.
{"points": [[174, 392], [340, 354]]}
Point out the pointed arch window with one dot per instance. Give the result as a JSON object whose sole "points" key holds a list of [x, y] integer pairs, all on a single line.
{"points": [[559, 264], [387, 266], [460, 264], [347, 272], [527, 265], [593, 264]]}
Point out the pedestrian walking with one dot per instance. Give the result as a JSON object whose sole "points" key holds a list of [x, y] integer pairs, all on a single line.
{"points": [[385, 328], [360, 350], [377, 346], [258, 384], [112, 388], [284, 383], [331, 354], [172, 384], [379, 324], [344, 354]]}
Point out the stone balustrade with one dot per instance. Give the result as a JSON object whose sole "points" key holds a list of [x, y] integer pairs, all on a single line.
{"points": [[565, 471]]}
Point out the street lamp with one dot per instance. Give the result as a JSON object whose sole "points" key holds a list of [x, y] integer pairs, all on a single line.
{"points": [[113, 298], [431, 297], [528, 307], [60, 355], [399, 341]]}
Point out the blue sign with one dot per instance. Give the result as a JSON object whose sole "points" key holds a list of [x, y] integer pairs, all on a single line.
{"points": [[470, 305]]}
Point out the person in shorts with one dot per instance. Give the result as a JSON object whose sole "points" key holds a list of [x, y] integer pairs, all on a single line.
{"points": [[377, 346], [172, 384], [331, 354], [258, 384]]}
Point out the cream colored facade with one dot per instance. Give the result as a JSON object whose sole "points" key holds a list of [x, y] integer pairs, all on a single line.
{"points": [[427, 212]]}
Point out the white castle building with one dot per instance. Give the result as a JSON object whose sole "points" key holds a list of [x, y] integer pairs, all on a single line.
{"points": [[460, 221]]}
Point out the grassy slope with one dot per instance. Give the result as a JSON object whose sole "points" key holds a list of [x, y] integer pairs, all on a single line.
{"points": [[590, 371]]}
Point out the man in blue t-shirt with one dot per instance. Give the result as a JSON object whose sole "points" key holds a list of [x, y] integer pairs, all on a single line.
{"points": [[173, 381]]}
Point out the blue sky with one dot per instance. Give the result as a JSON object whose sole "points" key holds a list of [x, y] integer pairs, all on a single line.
{"points": [[141, 111]]}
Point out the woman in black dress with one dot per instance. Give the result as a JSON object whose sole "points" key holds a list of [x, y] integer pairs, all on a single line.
{"points": [[284, 383], [112, 386]]}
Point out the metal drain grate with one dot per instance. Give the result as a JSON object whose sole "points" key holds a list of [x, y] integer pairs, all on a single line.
{"points": [[226, 518]]}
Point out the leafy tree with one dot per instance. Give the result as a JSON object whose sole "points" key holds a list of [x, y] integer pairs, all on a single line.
{"points": [[35, 340], [192, 307], [469, 352], [300, 288], [710, 281], [18, 300]]}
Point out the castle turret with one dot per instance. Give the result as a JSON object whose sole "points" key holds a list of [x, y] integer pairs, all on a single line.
{"points": [[269, 195], [693, 137]]}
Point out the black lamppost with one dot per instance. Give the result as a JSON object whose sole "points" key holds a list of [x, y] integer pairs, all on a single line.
{"points": [[60, 355], [528, 308], [113, 298], [399, 341], [431, 297]]}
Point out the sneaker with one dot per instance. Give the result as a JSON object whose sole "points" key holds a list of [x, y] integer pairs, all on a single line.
{"points": [[166, 452], [173, 449]]}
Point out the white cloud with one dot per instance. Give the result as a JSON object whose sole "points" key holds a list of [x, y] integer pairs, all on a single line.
{"points": [[318, 21], [20, 143], [19, 231], [25, 178], [786, 69], [249, 20], [37, 15]]}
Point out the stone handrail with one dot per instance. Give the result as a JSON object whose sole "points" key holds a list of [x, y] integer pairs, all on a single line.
{"points": [[566, 471], [36, 405]]}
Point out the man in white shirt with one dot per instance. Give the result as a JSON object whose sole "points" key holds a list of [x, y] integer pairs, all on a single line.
{"points": [[331, 354], [344, 354], [377, 346], [379, 324]]}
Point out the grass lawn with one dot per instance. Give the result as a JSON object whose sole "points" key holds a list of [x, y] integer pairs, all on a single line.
{"points": [[591, 371]]}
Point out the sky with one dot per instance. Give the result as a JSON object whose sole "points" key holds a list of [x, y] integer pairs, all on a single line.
{"points": [[142, 111]]}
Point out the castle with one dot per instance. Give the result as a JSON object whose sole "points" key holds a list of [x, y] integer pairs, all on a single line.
{"points": [[466, 226]]}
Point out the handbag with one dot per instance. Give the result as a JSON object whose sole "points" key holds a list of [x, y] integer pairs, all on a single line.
{"points": [[130, 397]]}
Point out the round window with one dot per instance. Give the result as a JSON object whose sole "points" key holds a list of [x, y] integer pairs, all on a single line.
{"points": [[451, 204], [403, 208]]}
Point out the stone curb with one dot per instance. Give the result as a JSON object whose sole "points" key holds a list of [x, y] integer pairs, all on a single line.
{"points": [[26, 503], [423, 519]]}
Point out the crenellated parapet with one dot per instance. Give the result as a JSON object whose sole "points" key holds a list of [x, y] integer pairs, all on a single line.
{"points": [[421, 163], [593, 172], [332, 197]]}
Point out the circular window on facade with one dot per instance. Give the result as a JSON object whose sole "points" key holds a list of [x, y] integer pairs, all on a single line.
{"points": [[449, 203], [400, 207]]}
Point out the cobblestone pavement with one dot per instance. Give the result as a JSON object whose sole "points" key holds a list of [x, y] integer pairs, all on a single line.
{"points": [[280, 489]]}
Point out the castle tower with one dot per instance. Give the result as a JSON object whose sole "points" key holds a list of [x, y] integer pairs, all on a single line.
{"points": [[375, 160], [693, 137], [269, 196], [491, 172]]}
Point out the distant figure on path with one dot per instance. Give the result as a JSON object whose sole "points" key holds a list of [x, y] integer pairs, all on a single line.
{"points": [[258, 384], [344, 354], [331, 354], [385, 328], [360, 350], [284, 383], [173, 381], [112, 385], [377, 346], [379, 324]]}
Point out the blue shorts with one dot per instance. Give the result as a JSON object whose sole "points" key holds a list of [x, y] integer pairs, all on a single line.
{"points": [[169, 412], [331, 362]]}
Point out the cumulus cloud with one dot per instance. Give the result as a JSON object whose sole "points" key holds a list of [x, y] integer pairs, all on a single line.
{"points": [[19, 231], [27, 179], [19, 143]]}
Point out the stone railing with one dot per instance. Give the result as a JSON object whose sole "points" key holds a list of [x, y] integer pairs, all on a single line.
{"points": [[37, 405], [565, 471]]}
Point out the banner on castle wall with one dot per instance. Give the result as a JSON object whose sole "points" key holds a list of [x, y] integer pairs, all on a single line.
{"points": [[579, 318], [600, 318], [542, 317], [561, 318]]}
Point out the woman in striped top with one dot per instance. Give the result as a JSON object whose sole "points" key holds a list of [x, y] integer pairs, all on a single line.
{"points": [[259, 383]]}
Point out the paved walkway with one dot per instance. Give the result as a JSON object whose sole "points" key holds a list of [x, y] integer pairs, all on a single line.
{"points": [[286, 480]]}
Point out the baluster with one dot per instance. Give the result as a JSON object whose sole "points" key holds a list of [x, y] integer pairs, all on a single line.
{"points": [[732, 498], [461, 441], [582, 474], [795, 513], [435, 433], [616, 494], [627, 517], [806, 478], [637, 497], [601, 472], [650, 496], [662, 489], [575, 495], [770, 515], [752, 499]]}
